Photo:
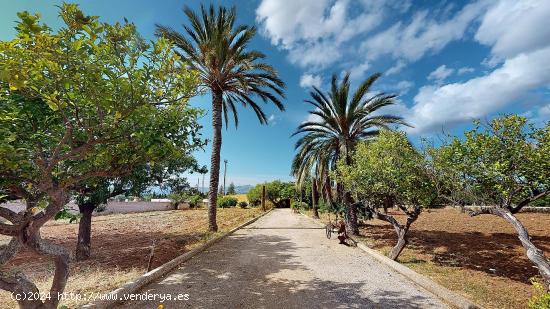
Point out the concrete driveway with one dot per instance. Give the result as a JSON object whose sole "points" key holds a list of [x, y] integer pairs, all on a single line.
{"points": [[284, 260]]}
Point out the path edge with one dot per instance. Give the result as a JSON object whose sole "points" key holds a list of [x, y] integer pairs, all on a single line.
{"points": [[441, 292], [115, 297]]}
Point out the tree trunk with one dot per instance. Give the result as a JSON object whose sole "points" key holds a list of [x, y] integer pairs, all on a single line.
{"points": [[217, 97], [534, 254], [351, 215], [400, 230], [328, 191], [263, 198], [402, 241], [314, 198], [83, 245], [19, 284]]}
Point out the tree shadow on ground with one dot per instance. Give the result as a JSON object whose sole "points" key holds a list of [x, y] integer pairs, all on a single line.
{"points": [[255, 270], [499, 254]]}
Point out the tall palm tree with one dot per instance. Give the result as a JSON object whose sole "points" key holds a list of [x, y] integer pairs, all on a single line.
{"points": [[342, 121], [217, 49]]}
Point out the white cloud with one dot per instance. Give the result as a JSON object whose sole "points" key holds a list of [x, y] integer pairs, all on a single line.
{"points": [[438, 106], [272, 120], [314, 31], [543, 115], [357, 72], [465, 70], [422, 35], [314, 55], [396, 68], [520, 49], [512, 27], [544, 112], [404, 86], [309, 80], [286, 22], [441, 73]]}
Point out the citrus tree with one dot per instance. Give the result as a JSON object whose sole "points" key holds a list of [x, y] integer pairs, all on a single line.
{"points": [[503, 164], [90, 100], [277, 192], [389, 170]]}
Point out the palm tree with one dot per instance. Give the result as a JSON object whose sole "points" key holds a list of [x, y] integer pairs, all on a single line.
{"points": [[342, 121], [217, 49]]}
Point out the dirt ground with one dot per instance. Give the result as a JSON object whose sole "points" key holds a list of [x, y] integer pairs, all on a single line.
{"points": [[479, 257], [120, 247]]}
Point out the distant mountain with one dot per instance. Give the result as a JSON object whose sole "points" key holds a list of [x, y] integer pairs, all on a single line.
{"points": [[238, 189], [243, 189]]}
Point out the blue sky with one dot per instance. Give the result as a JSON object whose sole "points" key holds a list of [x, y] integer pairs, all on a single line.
{"points": [[449, 61]]}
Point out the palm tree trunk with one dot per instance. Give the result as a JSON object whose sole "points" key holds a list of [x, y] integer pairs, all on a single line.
{"points": [[328, 191], [314, 198], [215, 159]]}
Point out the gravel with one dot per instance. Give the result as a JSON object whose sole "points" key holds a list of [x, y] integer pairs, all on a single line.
{"points": [[284, 260]]}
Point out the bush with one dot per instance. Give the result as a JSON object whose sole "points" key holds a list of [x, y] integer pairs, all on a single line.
{"points": [[299, 206], [227, 201], [177, 198], [541, 298], [194, 201], [243, 204], [254, 196], [66, 214], [324, 207]]}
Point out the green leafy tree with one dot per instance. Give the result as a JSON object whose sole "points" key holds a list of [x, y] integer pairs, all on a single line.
{"points": [[254, 195], [503, 164], [80, 103], [389, 170], [227, 201], [231, 189], [344, 120], [277, 192], [218, 50]]}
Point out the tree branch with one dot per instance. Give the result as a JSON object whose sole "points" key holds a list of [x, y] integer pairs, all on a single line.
{"points": [[10, 215], [527, 201], [61, 258], [10, 250]]}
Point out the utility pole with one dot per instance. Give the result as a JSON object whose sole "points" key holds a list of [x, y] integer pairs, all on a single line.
{"points": [[224, 175], [203, 191]]}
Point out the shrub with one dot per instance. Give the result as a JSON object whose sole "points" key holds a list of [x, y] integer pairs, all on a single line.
{"points": [[177, 198], [194, 201], [299, 205], [66, 214], [254, 196], [337, 208], [541, 298], [227, 201], [243, 204]]}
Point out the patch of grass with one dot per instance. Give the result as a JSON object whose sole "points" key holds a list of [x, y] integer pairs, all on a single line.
{"points": [[240, 197]]}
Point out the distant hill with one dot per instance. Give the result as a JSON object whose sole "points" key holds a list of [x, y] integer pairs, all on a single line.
{"points": [[243, 189], [238, 189]]}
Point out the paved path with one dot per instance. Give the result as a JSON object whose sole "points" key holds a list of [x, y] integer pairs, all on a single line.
{"points": [[284, 260]]}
